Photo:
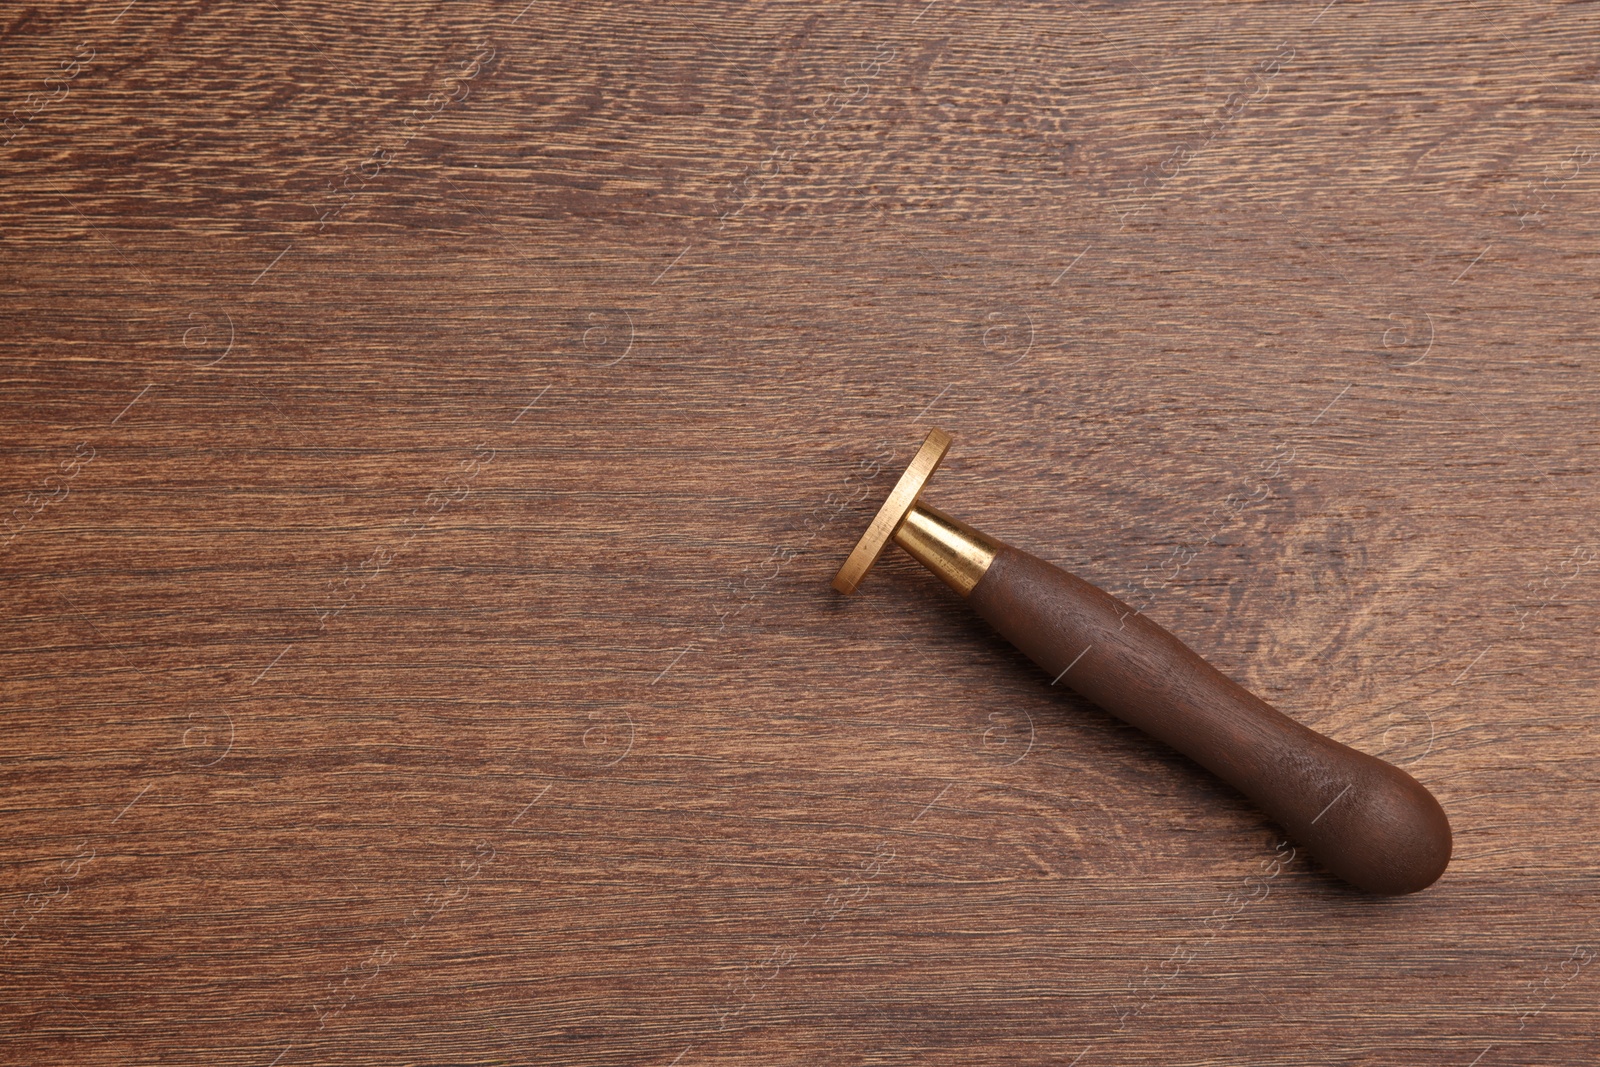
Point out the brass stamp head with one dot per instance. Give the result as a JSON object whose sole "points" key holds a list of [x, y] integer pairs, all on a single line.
{"points": [[901, 500], [954, 551]]}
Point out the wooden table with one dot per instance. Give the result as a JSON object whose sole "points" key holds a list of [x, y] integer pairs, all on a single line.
{"points": [[429, 431]]}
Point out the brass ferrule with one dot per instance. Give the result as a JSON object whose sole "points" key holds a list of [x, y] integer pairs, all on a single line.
{"points": [[948, 547]]}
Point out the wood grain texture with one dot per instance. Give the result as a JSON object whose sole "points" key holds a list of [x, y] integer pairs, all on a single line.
{"points": [[428, 432]]}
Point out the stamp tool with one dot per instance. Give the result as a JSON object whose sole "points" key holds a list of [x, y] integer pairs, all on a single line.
{"points": [[1367, 821]]}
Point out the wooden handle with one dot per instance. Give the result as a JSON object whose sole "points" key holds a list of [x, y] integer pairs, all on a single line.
{"points": [[1368, 821]]}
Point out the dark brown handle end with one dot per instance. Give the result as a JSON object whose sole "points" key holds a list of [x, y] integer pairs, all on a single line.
{"points": [[1383, 832]]}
